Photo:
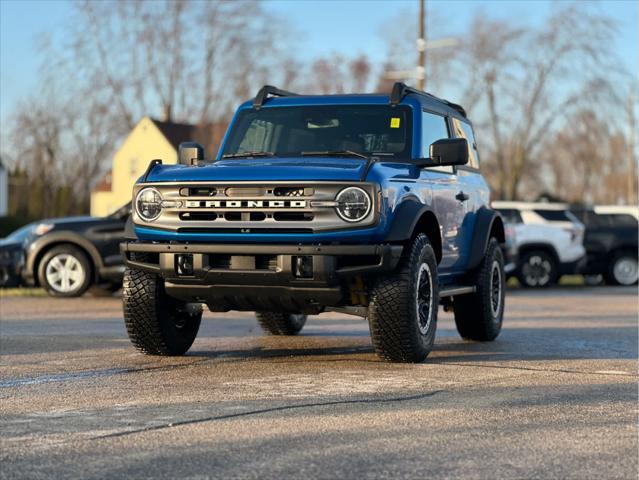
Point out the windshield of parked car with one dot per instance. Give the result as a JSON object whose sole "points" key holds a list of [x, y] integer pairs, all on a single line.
{"points": [[332, 130], [20, 234]]}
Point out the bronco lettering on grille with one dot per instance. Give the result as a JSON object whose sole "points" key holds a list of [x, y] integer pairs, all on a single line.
{"points": [[246, 204]]}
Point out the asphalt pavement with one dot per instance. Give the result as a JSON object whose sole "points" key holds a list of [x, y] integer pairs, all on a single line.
{"points": [[555, 396]]}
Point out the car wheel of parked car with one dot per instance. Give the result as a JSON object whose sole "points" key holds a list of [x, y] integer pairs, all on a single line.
{"points": [[275, 323], [156, 323], [537, 269], [65, 271], [402, 313], [623, 269], [479, 315]]}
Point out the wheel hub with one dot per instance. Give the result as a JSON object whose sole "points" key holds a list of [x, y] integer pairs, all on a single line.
{"points": [[537, 270], [424, 298], [64, 273], [626, 270], [496, 285]]}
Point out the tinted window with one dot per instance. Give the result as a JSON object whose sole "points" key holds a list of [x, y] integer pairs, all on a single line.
{"points": [[289, 131], [510, 215], [464, 130], [620, 220], [553, 215]]}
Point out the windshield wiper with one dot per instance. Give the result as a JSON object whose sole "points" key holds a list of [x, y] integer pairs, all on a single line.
{"points": [[248, 155], [335, 153]]}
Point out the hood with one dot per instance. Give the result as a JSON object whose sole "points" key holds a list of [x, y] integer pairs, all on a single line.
{"points": [[264, 169], [68, 220]]}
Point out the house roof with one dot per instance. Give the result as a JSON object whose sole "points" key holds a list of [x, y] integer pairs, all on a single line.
{"points": [[175, 133], [105, 183]]}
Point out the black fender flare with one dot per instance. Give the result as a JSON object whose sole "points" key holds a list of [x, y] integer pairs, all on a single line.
{"points": [[405, 219], [486, 221], [129, 229], [39, 246]]}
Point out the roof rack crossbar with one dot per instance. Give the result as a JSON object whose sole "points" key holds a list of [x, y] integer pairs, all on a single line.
{"points": [[267, 90], [400, 90]]}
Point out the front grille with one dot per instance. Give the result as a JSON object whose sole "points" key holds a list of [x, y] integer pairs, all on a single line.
{"points": [[283, 207]]}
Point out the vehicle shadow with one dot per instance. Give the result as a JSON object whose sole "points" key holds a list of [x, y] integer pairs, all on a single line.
{"points": [[517, 344]]}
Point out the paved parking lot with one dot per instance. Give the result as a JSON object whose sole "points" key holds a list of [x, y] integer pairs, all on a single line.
{"points": [[554, 397]]}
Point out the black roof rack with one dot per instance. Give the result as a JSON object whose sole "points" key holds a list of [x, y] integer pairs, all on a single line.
{"points": [[267, 90], [400, 90]]}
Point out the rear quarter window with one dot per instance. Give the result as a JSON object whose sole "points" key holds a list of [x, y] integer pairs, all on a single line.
{"points": [[510, 215]]}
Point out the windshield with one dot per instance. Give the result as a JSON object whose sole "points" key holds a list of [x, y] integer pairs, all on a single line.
{"points": [[339, 130], [20, 234]]}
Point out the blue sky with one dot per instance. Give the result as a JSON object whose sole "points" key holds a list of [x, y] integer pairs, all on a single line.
{"points": [[349, 27]]}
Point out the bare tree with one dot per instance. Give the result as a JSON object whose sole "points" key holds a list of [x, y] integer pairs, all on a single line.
{"points": [[524, 83]]}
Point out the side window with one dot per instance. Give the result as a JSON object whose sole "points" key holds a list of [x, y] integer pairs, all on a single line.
{"points": [[511, 215], [464, 130], [434, 128]]}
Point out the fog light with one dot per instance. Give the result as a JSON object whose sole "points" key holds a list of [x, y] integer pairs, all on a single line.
{"points": [[303, 266], [185, 264]]}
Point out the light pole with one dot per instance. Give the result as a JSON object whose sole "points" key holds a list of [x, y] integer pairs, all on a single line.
{"points": [[420, 71]]}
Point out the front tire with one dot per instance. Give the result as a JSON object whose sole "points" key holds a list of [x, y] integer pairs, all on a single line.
{"points": [[65, 271], [479, 315], [538, 269], [275, 323], [156, 323], [623, 269], [403, 306]]}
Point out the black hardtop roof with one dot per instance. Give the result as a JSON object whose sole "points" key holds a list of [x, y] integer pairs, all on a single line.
{"points": [[400, 90]]}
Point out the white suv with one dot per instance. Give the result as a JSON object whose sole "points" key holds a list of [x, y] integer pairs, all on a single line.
{"points": [[548, 239]]}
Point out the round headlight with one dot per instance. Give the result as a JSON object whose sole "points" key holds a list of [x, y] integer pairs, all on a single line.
{"points": [[353, 204], [148, 204]]}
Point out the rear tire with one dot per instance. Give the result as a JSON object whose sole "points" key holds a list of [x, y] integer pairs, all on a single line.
{"points": [[622, 269], [537, 269], [156, 323], [65, 271], [479, 315], [402, 314], [275, 323]]}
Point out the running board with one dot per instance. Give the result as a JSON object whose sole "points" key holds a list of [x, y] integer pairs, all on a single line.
{"points": [[452, 292]]}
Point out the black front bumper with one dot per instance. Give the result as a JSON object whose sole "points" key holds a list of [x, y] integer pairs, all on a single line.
{"points": [[261, 277]]}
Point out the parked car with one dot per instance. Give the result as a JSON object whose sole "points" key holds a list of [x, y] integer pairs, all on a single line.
{"points": [[67, 255], [12, 257], [548, 239], [372, 205], [611, 242]]}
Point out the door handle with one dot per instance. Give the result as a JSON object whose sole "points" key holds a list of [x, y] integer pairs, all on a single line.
{"points": [[462, 197]]}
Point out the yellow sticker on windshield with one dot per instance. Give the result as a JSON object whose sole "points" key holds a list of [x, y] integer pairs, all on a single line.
{"points": [[394, 122]]}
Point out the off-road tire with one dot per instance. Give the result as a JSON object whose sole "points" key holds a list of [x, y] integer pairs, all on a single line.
{"points": [[275, 323], [613, 277], [82, 261], [156, 323], [548, 269], [479, 315], [398, 333]]}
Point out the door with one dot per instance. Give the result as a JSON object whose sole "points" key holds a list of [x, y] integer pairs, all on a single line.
{"points": [[472, 191], [438, 187]]}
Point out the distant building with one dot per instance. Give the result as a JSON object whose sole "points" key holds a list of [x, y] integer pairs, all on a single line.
{"points": [[148, 140], [4, 191]]}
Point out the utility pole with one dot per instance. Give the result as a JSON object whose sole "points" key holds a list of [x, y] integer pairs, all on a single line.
{"points": [[421, 47], [631, 197]]}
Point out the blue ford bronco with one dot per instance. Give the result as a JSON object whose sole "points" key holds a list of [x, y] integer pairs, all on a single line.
{"points": [[371, 205]]}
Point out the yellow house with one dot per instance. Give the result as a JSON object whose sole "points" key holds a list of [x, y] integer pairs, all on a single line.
{"points": [[148, 140]]}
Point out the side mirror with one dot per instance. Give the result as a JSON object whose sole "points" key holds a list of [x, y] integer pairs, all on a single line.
{"points": [[449, 151], [190, 153], [446, 152]]}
